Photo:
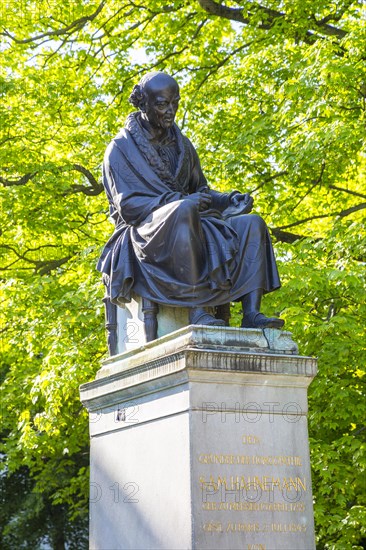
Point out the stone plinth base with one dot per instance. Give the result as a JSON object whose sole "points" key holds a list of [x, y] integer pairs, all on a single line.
{"points": [[199, 441]]}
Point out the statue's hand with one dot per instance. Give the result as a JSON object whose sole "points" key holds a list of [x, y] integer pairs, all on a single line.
{"points": [[201, 200], [239, 204], [244, 202]]}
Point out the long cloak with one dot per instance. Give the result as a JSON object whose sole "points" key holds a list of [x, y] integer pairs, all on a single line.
{"points": [[162, 247]]}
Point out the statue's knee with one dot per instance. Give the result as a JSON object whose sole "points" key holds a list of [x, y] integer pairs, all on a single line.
{"points": [[187, 209], [257, 222]]}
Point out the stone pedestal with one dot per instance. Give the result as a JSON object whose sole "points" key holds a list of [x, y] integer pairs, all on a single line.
{"points": [[199, 441]]}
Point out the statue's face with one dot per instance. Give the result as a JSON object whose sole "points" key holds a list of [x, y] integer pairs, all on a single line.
{"points": [[162, 100]]}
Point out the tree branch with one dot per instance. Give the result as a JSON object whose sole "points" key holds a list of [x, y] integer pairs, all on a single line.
{"points": [[269, 17], [347, 191], [95, 187], [45, 267], [285, 236], [74, 26], [341, 214], [42, 267], [314, 183], [351, 210], [336, 16], [234, 14], [21, 181], [219, 64]]}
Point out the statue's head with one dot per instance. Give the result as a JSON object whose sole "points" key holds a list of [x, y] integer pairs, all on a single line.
{"points": [[157, 97]]}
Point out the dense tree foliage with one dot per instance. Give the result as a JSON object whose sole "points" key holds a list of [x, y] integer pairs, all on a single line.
{"points": [[274, 98]]}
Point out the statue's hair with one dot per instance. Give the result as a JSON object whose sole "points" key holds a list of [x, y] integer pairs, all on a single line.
{"points": [[137, 97]]}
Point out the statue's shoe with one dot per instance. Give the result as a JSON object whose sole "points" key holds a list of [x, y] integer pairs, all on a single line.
{"points": [[258, 320], [198, 316]]}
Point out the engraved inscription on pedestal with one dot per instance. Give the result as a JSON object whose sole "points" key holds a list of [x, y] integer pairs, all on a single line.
{"points": [[252, 478]]}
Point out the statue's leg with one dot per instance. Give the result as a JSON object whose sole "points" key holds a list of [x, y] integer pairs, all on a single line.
{"points": [[252, 318], [204, 316], [188, 248], [223, 312], [150, 310], [111, 325], [252, 301]]}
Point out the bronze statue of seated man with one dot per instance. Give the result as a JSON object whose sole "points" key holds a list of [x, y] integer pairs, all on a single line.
{"points": [[177, 241]]}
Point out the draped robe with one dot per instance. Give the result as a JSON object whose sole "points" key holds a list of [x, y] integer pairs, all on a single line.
{"points": [[162, 247]]}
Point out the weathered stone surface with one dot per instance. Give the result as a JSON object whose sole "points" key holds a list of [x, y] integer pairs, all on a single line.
{"points": [[227, 339], [131, 334], [198, 441], [280, 340]]}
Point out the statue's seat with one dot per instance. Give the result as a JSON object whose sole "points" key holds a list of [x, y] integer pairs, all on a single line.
{"points": [[142, 320]]}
